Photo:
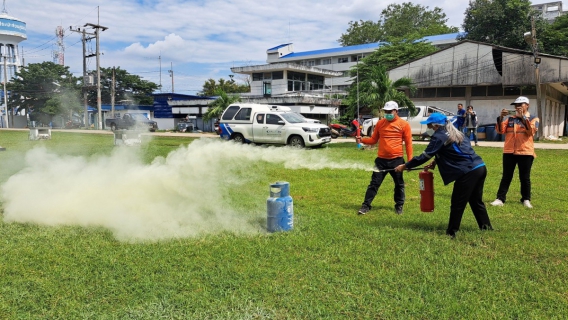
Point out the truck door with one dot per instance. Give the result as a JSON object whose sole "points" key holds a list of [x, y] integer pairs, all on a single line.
{"points": [[275, 128], [259, 129]]}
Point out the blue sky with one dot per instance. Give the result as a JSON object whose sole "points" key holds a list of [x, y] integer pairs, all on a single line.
{"points": [[199, 39]]}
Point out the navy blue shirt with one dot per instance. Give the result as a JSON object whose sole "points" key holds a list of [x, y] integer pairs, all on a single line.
{"points": [[453, 160], [460, 119]]}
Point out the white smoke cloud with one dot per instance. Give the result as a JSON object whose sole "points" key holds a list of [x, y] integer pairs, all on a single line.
{"points": [[185, 194]]}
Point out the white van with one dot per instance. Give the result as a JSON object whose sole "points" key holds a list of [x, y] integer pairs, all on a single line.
{"points": [[418, 129], [259, 123]]}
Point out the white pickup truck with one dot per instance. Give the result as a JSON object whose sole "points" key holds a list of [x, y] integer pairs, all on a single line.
{"points": [[418, 129], [258, 123]]}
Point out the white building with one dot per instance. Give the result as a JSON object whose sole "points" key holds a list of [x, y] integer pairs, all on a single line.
{"points": [[489, 78], [12, 32], [549, 10], [312, 82]]}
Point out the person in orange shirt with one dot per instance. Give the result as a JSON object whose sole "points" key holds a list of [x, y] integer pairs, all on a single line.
{"points": [[390, 132], [518, 150]]}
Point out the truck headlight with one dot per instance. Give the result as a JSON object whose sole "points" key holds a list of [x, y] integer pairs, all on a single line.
{"points": [[314, 130]]}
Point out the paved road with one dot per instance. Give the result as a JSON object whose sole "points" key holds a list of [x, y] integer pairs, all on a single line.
{"points": [[495, 144]]}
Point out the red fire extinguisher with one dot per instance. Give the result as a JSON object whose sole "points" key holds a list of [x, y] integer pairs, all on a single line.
{"points": [[426, 191]]}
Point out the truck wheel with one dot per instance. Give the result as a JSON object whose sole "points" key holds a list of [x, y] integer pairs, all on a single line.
{"points": [[370, 131], [296, 142], [238, 138], [113, 127]]}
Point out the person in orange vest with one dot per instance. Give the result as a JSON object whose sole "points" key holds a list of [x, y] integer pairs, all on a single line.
{"points": [[390, 132], [518, 150], [458, 163]]}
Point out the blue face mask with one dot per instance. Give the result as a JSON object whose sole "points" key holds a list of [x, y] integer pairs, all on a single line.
{"points": [[389, 116]]}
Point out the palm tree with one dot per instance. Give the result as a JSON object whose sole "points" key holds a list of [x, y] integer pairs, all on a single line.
{"points": [[376, 88], [217, 107]]}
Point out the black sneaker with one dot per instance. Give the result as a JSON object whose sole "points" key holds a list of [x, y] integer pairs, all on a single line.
{"points": [[364, 209], [398, 209]]}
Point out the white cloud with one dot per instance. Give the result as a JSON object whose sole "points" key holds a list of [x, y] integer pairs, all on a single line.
{"points": [[212, 34]]}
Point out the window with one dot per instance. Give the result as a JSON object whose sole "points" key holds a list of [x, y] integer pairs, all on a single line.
{"points": [[346, 73], [260, 118], [494, 91], [417, 94], [230, 112], [272, 119], [257, 77], [458, 92], [512, 91], [529, 91], [429, 92], [443, 92], [244, 114], [267, 76], [277, 75], [311, 63], [267, 88], [343, 60], [480, 91], [326, 61], [316, 82]]}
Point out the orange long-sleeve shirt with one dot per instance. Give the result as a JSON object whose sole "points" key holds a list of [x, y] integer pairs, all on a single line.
{"points": [[390, 135], [518, 137]]}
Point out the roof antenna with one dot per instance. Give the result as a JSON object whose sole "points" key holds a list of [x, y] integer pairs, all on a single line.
{"points": [[4, 8]]}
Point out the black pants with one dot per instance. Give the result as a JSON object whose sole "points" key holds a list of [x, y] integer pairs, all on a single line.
{"points": [[469, 131], [469, 189], [378, 177], [510, 161]]}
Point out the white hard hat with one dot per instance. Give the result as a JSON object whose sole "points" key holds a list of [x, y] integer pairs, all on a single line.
{"points": [[521, 100], [391, 105]]}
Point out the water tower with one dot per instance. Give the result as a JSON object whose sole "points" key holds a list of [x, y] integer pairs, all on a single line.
{"points": [[12, 32]]}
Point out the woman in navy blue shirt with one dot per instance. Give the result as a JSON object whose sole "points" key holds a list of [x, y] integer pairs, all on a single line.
{"points": [[457, 161]]}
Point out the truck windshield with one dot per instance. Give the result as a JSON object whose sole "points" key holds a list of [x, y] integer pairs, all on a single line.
{"points": [[292, 117], [138, 117]]}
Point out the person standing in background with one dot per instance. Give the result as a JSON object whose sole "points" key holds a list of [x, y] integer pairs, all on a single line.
{"points": [[460, 118], [470, 123], [390, 132], [518, 149]]}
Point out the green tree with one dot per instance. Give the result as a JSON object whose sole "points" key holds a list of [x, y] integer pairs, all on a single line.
{"points": [[128, 87], [44, 89], [396, 53], [398, 21], [210, 87], [217, 107], [500, 22], [554, 39], [374, 88]]}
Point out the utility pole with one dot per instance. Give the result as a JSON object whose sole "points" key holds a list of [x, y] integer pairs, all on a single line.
{"points": [[86, 80], [530, 38], [6, 95], [171, 72], [112, 93], [160, 59], [86, 83]]}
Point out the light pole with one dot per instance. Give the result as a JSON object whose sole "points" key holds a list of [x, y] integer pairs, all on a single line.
{"points": [[530, 38]]}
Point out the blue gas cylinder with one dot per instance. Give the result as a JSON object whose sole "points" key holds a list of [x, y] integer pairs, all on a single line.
{"points": [[279, 208]]}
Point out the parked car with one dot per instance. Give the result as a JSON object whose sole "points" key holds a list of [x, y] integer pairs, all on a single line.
{"points": [[418, 130]]}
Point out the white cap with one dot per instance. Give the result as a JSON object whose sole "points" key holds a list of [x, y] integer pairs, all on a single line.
{"points": [[391, 105], [521, 100]]}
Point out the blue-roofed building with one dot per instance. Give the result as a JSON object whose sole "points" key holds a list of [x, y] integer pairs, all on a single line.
{"points": [[312, 82], [172, 108]]}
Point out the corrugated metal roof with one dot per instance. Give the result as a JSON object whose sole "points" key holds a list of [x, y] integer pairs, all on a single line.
{"points": [[367, 46]]}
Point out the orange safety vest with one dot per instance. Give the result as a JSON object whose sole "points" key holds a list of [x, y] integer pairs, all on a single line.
{"points": [[518, 137], [390, 135]]}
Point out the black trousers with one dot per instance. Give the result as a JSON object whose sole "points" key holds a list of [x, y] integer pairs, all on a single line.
{"points": [[510, 161], [469, 189], [378, 177]]}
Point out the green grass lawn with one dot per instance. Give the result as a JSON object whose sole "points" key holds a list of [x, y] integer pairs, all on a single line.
{"points": [[334, 264]]}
